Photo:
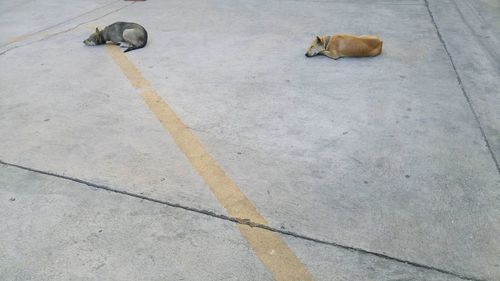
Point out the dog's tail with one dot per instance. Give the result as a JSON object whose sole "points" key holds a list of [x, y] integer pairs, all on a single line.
{"points": [[133, 48], [144, 42]]}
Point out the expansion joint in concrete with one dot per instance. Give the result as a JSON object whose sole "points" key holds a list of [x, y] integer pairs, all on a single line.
{"points": [[60, 23], [66, 30], [245, 221], [462, 87]]}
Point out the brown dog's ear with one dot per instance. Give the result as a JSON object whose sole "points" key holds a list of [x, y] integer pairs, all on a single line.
{"points": [[318, 39], [97, 30]]}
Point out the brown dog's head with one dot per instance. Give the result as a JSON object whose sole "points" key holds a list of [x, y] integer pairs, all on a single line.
{"points": [[317, 46]]}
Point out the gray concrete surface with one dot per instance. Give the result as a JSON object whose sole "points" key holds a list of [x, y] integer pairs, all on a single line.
{"points": [[387, 154], [54, 229]]}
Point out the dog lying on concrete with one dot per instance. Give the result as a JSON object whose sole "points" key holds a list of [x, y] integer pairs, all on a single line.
{"points": [[345, 45], [126, 34]]}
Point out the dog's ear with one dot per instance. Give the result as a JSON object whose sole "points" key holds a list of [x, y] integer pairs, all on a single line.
{"points": [[318, 39], [98, 34]]}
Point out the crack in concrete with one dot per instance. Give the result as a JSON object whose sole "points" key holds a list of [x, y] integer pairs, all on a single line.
{"points": [[462, 87], [58, 24], [67, 30], [245, 221], [82, 23], [482, 39]]}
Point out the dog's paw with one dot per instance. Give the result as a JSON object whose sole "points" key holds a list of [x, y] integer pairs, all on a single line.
{"points": [[124, 45]]}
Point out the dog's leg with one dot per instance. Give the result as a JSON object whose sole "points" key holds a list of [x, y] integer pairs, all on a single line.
{"points": [[330, 54], [125, 45]]}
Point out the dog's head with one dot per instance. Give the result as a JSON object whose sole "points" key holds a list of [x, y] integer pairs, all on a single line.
{"points": [[317, 46], [94, 39]]}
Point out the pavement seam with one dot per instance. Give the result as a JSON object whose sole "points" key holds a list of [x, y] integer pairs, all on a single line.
{"points": [[244, 221], [462, 87], [64, 31], [480, 38], [82, 23], [55, 25]]}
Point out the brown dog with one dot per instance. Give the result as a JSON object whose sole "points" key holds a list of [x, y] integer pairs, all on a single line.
{"points": [[345, 45]]}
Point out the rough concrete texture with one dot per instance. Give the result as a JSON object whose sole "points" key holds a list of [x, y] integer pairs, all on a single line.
{"points": [[53, 229], [328, 263], [388, 154]]}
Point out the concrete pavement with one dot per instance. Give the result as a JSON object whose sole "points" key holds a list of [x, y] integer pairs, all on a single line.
{"points": [[54, 229], [395, 155]]}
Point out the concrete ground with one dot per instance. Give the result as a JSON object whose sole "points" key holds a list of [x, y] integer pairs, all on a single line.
{"points": [[382, 168]]}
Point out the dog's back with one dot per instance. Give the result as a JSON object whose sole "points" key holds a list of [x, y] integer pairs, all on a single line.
{"points": [[356, 46], [132, 33]]}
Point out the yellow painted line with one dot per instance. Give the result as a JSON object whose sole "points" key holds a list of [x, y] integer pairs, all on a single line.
{"points": [[268, 246], [18, 38]]}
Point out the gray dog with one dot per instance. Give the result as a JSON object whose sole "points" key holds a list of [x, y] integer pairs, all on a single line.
{"points": [[126, 34]]}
